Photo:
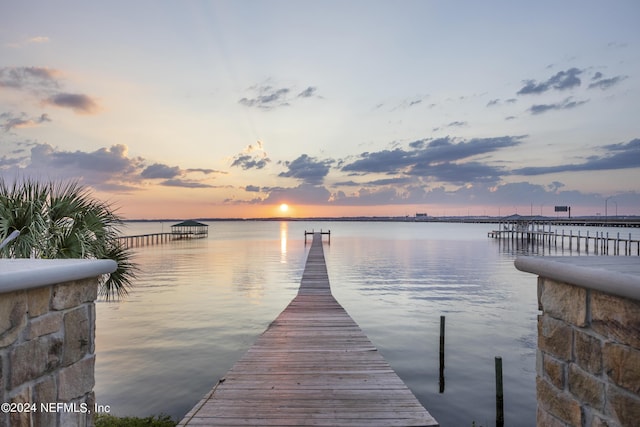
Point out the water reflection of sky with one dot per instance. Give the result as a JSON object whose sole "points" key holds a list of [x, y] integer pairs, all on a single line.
{"points": [[283, 241], [198, 305], [490, 311]]}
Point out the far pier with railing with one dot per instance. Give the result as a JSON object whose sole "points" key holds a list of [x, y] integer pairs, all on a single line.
{"points": [[322, 233], [542, 233], [183, 230]]}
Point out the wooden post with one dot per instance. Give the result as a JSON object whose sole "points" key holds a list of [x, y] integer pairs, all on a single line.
{"points": [[499, 394], [441, 354], [570, 240], [586, 243]]}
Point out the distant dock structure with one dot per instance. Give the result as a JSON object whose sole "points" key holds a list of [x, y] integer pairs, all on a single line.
{"points": [[321, 233], [188, 229], [531, 232]]}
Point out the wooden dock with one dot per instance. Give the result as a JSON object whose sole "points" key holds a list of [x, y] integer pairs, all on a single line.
{"points": [[313, 233], [153, 239], [312, 366], [600, 243]]}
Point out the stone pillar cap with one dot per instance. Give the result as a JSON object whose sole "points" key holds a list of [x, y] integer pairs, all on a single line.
{"points": [[24, 273], [617, 275]]}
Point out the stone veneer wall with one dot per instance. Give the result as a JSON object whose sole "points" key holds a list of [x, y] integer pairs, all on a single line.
{"points": [[588, 362], [47, 353]]}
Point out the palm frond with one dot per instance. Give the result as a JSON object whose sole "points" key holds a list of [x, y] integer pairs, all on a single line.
{"points": [[117, 284], [63, 220]]}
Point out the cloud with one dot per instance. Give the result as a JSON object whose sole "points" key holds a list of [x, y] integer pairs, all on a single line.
{"points": [[458, 173], [252, 157], [6, 162], [173, 176], [158, 170], [371, 197], [308, 92], [617, 156], [106, 169], [37, 39], [44, 83], [268, 97], [497, 101], [184, 183], [306, 194], [79, 103], [566, 104], [391, 181], [555, 186], [252, 189], [30, 40], [599, 83], [403, 104], [205, 171], [508, 194], [113, 159], [457, 124], [246, 161], [9, 121], [29, 78], [560, 81], [433, 158], [385, 161], [308, 169]]}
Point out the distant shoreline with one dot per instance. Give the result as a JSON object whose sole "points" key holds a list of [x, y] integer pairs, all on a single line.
{"points": [[598, 221]]}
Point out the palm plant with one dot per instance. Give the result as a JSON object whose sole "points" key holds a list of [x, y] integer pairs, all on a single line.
{"points": [[63, 220]]}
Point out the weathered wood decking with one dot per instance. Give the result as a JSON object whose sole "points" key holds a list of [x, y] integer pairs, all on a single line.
{"points": [[312, 366]]}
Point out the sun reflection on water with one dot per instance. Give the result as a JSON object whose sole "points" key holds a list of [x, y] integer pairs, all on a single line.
{"points": [[283, 241]]}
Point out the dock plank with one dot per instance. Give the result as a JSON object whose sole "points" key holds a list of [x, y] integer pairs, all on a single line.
{"points": [[312, 366]]}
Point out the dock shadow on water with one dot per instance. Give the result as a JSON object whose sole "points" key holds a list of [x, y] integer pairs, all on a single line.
{"points": [[200, 305]]}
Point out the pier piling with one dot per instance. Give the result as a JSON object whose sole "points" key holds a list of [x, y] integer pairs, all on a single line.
{"points": [[532, 234], [441, 382], [499, 393]]}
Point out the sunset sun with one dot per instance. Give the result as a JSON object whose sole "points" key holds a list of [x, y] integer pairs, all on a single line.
{"points": [[284, 208]]}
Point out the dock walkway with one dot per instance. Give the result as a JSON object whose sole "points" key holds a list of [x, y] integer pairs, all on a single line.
{"points": [[312, 366]]}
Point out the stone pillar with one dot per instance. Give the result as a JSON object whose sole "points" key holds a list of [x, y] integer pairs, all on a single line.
{"points": [[588, 360], [47, 354]]}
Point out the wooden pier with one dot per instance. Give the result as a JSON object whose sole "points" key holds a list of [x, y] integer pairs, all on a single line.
{"points": [[600, 243], [312, 233], [151, 239], [312, 366], [188, 229]]}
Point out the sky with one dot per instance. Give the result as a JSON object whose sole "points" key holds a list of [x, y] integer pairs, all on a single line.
{"points": [[221, 109]]}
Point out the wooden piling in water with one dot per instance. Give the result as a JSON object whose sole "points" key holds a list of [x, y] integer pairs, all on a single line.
{"points": [[499, 393], [441, 382]]}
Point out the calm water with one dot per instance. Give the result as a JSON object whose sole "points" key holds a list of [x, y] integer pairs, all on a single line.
{"points": [[199, 305]]}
